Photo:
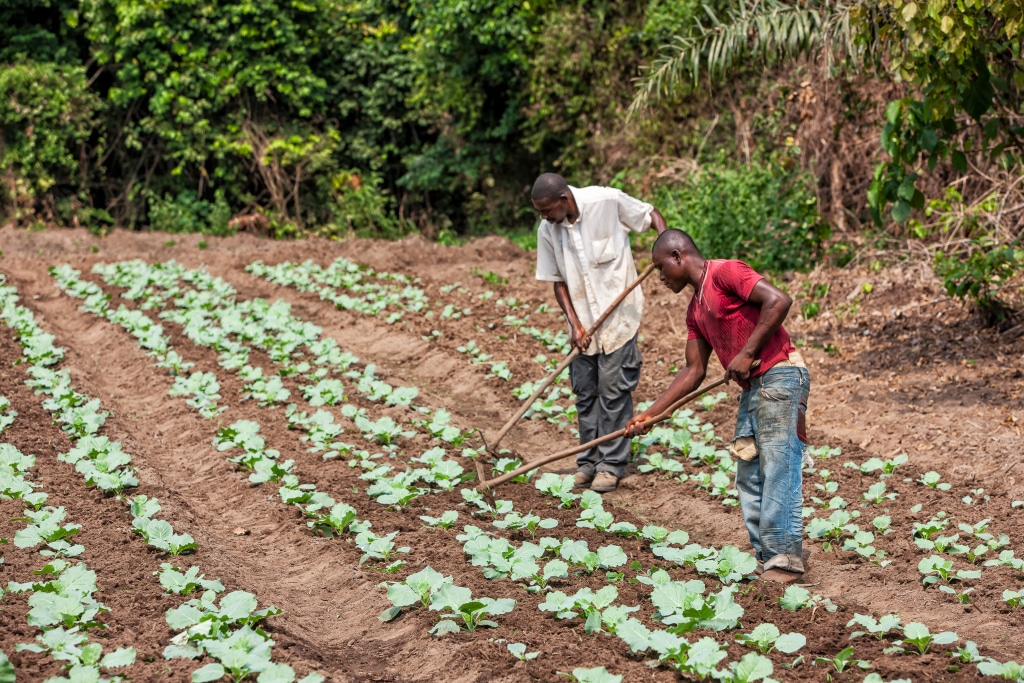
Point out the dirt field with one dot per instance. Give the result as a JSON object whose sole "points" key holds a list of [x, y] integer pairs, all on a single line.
{"points": [[899, 369]]}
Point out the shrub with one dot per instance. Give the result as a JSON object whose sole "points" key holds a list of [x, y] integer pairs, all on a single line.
{"points": [[760, 213], [187, 213], [46, 115]]}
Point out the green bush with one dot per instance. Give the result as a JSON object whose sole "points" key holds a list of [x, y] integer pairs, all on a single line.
{"points": [[977, 275], [759, 213], [187, 213], [361, 207], [46, 115]]}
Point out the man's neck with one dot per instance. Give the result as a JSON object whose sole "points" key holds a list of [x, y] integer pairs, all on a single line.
{"points": [[695, 273]]}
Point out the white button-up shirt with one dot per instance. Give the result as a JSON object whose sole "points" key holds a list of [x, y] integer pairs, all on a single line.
{"points": [[593, 258]]}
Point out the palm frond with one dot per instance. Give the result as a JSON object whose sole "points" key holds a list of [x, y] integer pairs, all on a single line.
{"points": [[767, 31]]}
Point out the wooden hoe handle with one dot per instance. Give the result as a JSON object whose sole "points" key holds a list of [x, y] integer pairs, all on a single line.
{"points": [[568, 359], [600, 440]]}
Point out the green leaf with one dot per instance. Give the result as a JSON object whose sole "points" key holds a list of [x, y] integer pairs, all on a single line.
{"points": [[238, 605], [91, 654], [390, 613], [402, 595], [180, 618], [276, 673], [124, 656], [794, 598], [598, 674], [611, 556], [892, 111], [210, 672], [906, 188], [977, 97], [470, 607], [7, 674], [444, 626], [753, 667], [900, 211], [790, 642]]}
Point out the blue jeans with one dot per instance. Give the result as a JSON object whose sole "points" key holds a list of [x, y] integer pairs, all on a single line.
{"points": [[771, 485], [604, 384]]}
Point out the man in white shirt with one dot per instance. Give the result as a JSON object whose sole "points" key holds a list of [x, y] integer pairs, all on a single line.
{"points": [[583, 248]]}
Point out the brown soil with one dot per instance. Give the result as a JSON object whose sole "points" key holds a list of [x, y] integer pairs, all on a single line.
{"points": [[889, 375]]}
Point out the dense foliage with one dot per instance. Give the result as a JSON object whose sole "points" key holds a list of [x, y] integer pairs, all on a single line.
{"points": [[383, 117]]}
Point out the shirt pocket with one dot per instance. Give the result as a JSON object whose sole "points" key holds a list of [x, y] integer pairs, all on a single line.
{"points": [[604, 250]]}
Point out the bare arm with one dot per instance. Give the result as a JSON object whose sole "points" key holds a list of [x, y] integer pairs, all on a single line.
{"points": [[774, 305], [689, 378], [577, 333], [658, 221]]}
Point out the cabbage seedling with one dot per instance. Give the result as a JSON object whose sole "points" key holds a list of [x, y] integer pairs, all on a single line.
{"points": [[377, 547], [555, 569], [1011, 671], [937, 569], [842, 660], [730, 566], [518, 651], [887, 467], [513, 521], [417, 588], [598, 674], [176, 581], [445, 521], [557, 487], [798, 597], [459, 603], [159, 534], [918, 635], [1013, 598], [751, 667], [876, 494], [6, 416], [878, 629], [1006, 559], [767, 637], [656, 462], [933, 480]]}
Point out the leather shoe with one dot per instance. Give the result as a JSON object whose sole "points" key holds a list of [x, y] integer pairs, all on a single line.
{"points": [[604, 482], [583, 478]]}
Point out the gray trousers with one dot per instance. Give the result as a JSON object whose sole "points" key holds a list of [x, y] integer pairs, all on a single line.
{"points": [[604, 385]]}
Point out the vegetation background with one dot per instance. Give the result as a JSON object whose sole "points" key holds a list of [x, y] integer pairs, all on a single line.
{"points": [[779, 131]]}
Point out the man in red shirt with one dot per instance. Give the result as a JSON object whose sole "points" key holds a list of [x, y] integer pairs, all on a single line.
{"points": [[738, 314]]}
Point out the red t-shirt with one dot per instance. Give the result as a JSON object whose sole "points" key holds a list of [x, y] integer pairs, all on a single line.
{"points": [[720, 313]]}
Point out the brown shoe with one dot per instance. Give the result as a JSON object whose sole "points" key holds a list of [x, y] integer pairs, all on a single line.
{"points": [[784, 569], [783, 576], [604, 482], [583, 478]]}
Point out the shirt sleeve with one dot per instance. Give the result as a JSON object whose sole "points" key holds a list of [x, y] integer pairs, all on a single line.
{"points": [[633, 213], [737, 277], [692, 331], [547, 264]]}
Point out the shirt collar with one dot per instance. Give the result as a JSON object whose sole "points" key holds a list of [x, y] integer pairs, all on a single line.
{"points": [[579, 205]]}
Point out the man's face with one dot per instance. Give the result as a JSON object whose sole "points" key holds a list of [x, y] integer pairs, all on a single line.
{"points": [[670, 269], [553, 210]]}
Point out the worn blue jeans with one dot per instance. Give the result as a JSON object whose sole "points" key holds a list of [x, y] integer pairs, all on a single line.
{"points": [[771, 485]]}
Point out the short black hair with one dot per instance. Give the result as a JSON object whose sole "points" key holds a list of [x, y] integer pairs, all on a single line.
{"points": [[548, 186], [676, 239]]}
